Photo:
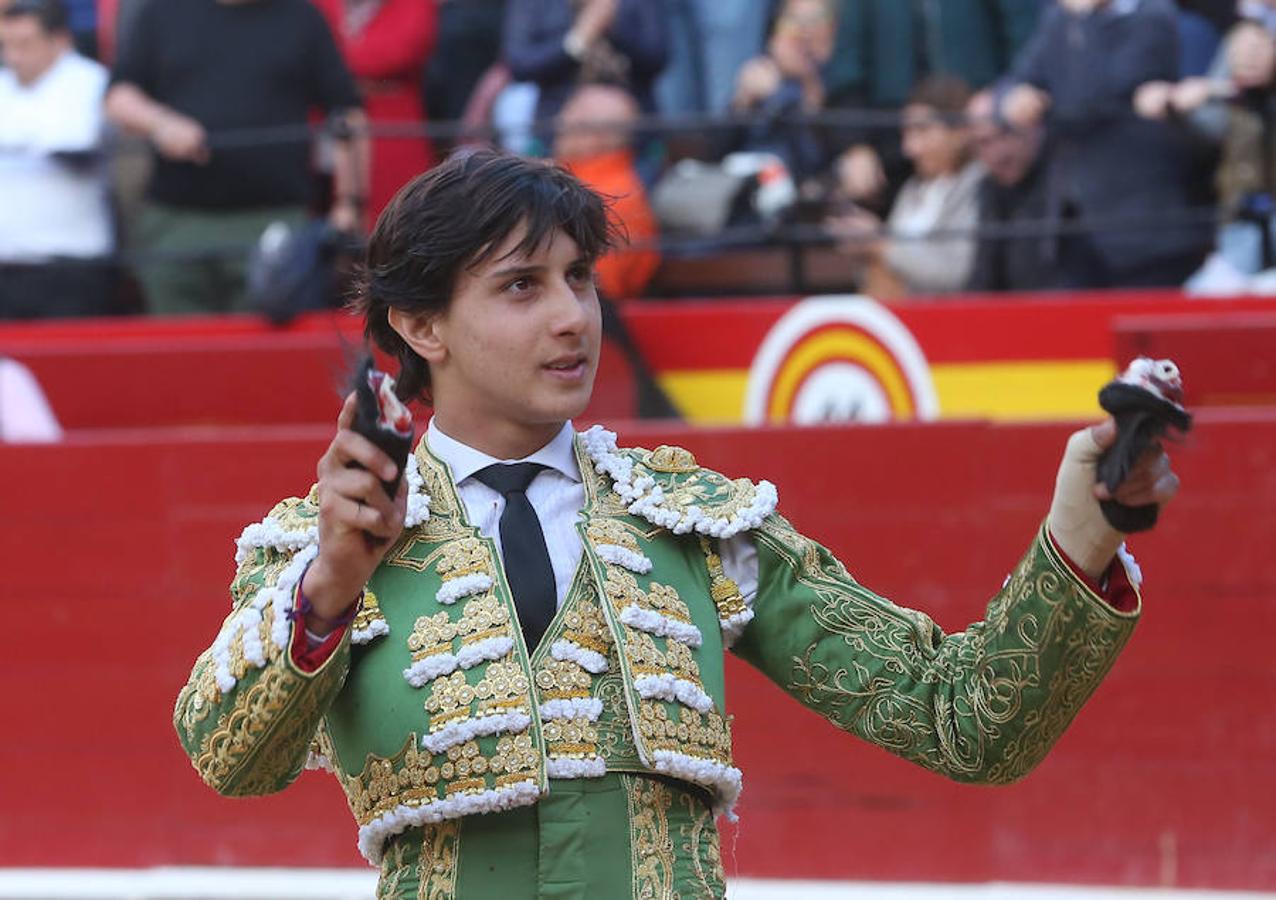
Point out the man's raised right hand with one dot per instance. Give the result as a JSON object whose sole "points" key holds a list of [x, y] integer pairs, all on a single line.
{"points": [[358, 523]]}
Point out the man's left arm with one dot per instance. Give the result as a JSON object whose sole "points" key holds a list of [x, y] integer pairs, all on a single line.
{"points": [[982, 705]]}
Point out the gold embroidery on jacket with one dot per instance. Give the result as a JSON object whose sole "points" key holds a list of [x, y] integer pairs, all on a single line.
{"points": [[650, 846], [699, 842], [414, 777], [668, 727], [558, 679], [502, 689], [265, 736], [622, 590], [965, 715], [724, 591], [586, 627], [440, 853], [614, 532]]}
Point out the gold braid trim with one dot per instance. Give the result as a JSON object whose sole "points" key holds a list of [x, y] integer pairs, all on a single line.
{"points": [[983, 705], [260, 745]]}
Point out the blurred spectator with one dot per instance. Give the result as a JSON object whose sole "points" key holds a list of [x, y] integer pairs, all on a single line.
{"points": [[25, 416], [1238, 112], [55, 223], [558, 44], [386, 44], [709, 40], [192, 70], [1202, 23], [885, 47], [593, 140], [1012, 193], [930, 245], [1117, 183], [784, 83], [469, 44]]}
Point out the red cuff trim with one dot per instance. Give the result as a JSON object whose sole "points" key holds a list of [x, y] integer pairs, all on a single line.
{"points": [[1113, 586], [304, 657]]}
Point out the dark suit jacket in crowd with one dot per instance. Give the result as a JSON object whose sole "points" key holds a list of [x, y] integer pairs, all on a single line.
{"points": [[532, 45], [1105, 162]]}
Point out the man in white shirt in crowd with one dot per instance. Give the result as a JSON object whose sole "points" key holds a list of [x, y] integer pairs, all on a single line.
{"points": [[56, 233]]}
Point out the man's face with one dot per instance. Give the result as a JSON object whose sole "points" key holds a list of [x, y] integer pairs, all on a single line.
{"points": [[934, 147], [28, 49], [1006, 154], [515, 354]]}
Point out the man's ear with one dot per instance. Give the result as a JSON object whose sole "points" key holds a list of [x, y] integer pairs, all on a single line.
{"points": [[421, 332]]}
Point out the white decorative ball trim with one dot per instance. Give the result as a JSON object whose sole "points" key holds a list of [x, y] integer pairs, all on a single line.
{"points": [[569, 651], [247, 622], [587, 708], [456, 588], [661, 626], [271, 535], [623, 557], [376, 628], [733, 626], [423, 671], [645, 498], [469, 729], [486, 650], [726, 782], [668, 686], [372, 837], [562, 767], [418, 509]]}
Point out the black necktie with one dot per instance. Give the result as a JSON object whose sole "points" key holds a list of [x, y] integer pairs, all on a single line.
{"points": [[527, 566]]}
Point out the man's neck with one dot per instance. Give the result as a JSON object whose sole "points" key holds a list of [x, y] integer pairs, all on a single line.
{"points": [[498, 440]]}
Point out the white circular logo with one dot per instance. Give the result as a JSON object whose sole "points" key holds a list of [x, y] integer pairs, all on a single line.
{"points": [[839, 359]]}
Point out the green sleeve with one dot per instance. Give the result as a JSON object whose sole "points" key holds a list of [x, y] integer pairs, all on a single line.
{"points": [[247, 724], [984, 705]]}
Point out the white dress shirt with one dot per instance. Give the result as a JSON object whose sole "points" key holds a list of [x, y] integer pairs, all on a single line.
{"points": [[50, 209], [557, 494]]}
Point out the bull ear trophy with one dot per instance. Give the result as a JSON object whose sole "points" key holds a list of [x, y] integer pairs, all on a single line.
{"points": [[1146, 401], [381, 417]]}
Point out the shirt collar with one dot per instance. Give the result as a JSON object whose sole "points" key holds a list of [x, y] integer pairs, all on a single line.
{"points": [[463, 460]]}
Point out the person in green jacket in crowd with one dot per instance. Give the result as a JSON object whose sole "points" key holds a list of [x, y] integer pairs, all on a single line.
{"points": [[514, 665]]}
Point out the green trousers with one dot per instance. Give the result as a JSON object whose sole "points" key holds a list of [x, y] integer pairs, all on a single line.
{"points": [[196, 260], [612, 838]]}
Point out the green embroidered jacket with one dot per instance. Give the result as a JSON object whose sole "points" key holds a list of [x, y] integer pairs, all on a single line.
{"points": [[432, 708]]}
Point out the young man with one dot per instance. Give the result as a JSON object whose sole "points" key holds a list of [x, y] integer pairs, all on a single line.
{"points": [[514, 666]]}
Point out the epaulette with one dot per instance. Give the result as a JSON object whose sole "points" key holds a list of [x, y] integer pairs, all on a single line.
{"points": [[667, 487]]}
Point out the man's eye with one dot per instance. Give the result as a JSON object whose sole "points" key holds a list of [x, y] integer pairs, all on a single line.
{"points": [[581, 274], [519, 285]]}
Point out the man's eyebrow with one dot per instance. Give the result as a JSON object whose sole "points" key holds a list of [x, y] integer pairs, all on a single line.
{"points": [[513, 271], [517, 271]]}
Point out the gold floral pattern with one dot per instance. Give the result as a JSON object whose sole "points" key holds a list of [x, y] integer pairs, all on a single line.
{"points": [[667, 727], [622, 590], [651, 847], [503, 688], [981, 705], [698, 842], [260, 744]]}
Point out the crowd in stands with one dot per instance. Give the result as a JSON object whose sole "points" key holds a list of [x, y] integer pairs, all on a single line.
{"points": [[937, 147]]}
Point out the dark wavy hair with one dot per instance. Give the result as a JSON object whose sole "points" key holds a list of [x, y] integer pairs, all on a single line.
{"points": [[454, 218]]}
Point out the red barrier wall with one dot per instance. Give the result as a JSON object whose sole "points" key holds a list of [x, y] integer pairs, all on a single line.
{"points": [[116, 551]]}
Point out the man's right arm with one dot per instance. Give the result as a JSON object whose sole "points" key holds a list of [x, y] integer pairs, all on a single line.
{"points": [[175, 135], [252, 704]]}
